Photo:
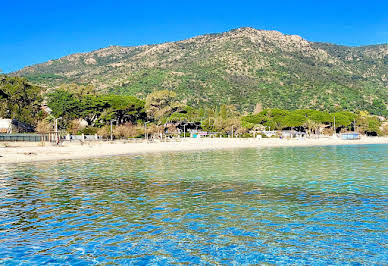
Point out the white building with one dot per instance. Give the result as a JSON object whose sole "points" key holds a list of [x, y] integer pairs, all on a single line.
{"points": [[5, 125]]}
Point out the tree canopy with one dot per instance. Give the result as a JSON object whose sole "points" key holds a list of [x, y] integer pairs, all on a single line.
{"points": [[20, 100], [95, 109], [161, 104], [25, 102]]}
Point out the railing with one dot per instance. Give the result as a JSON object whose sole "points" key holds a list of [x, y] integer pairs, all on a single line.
{"points": [[81, 137], [24, 137]]}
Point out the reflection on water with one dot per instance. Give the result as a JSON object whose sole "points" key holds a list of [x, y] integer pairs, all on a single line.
{"points": [[284, 205]]}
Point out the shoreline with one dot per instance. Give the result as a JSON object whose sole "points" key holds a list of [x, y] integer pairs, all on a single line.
{"points": [[25, 153]]}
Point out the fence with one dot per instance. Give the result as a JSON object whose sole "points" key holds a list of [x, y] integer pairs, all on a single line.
{"points": [[46, 137], [24, 137], [81, 137]]}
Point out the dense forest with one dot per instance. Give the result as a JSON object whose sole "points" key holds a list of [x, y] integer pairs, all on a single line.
{"points": [[80, 109]]}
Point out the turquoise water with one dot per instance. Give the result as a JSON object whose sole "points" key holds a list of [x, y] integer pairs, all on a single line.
{"points": [[305, 205]]}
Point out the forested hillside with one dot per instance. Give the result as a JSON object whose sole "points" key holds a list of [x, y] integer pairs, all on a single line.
{"points": [[241, 67]]}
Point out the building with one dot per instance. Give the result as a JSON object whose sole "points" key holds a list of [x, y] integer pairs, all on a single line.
{"points": [[350, 135], [6, 126], [293, 134], [269, 133], [9, 126]]}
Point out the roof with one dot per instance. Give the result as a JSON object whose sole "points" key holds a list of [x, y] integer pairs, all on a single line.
{"points": [[351, 133]]}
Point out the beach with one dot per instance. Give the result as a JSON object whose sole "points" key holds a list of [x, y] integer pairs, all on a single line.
{"points": [[34, 152]]}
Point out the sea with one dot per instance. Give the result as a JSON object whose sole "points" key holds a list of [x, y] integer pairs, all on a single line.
{"points": [[285, 205]]}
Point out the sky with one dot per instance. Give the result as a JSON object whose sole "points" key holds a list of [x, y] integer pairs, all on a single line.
{"points": [[37, 31]]}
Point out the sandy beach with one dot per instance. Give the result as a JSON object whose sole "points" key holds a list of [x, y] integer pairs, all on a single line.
{"points": [[33, 152]]}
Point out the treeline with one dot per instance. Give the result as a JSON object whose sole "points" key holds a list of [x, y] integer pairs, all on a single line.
{"points": [[314, 122], [79, 109]]}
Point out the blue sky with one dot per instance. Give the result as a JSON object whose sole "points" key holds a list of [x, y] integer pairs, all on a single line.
{"points": [[37, 31]]}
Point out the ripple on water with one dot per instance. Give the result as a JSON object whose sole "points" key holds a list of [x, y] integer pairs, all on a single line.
{"points": [[317, 205]]}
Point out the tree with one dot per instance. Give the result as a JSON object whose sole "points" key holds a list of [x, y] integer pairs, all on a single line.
{"points": [[254, 119], [97, 110], [63, 104], [294, 119], [274, 118], [154, 130], [271, 118], [343, 118], [20, 100], [233, 124], [378, 107], [172, 129], [79, 91], [161, 104], [311, 125], [178, 117], [104, 131], [320, 117], [368, 124], [127, 130], [92, 108], [123, 109], [44, 127], [75, 126]]}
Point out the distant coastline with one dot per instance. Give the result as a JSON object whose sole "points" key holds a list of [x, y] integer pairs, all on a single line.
{"points": [[24, 153]]}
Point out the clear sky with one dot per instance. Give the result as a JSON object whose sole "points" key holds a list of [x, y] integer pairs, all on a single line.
{"points": [[37, 31]]}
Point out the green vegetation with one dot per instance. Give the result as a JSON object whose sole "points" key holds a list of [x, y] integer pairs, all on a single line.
{"points": [[162, 104], [313, 121], [240, 68], [96, 110], [20, 100], [79, 109]]}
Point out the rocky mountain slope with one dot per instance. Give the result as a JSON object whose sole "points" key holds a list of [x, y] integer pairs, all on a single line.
{"points": [[242, 67]]}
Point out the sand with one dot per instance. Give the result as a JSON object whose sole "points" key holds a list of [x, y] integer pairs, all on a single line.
{"points": [[33, 152]]}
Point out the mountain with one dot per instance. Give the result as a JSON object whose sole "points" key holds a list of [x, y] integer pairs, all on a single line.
{"points": [[243, 67]]}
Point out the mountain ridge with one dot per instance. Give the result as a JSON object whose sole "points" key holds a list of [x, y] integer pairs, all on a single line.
{"points": [[241, 67]]}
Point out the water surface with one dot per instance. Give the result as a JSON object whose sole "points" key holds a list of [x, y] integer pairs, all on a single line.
{"points": [[301, 205]]}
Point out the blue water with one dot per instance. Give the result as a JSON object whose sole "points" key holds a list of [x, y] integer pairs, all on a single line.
{"points": [[305, 205]]}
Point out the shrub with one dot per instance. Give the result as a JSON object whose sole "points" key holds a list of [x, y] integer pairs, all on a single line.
{"points": [[126, 131], [384, 130], [104, 131], [328, 131], [172, 129], [246, 135], [74, 127], [44, 127], [89, 130]]}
